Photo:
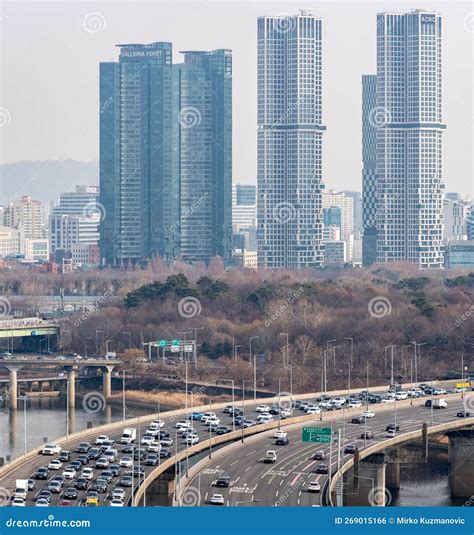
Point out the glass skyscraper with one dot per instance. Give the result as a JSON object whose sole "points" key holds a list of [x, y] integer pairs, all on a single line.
{"points": [[409, 138], [290, 129]]}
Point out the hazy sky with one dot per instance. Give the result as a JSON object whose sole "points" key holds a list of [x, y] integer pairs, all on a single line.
{"points": [[50, 54]]}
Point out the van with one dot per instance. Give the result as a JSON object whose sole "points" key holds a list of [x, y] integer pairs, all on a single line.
{"points": [[128, 435], [21, 489]]}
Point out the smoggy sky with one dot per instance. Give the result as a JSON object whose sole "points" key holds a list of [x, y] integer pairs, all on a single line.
{"points": [[50, 54]]}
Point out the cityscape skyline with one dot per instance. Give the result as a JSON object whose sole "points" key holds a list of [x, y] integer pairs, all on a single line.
{"points": [[340, 106]]}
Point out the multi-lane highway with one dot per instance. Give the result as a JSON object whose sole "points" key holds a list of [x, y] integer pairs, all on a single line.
{"points": [[286, 482]]}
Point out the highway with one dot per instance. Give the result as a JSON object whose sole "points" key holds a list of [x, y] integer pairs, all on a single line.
{"points": [[285, 483]]}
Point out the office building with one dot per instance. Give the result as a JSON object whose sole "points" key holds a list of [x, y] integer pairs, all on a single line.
{"points": [[456, 214], [342, 205], [335, 253], [203, 89], [459, 254], [357, 211], [83, 201], [369, 166], [289, 137], [409, 138], [26, 215], [9, 241]]}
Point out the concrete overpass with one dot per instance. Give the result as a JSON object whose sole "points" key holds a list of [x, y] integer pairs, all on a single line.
{"points": [[28, 333], [69, 365]]}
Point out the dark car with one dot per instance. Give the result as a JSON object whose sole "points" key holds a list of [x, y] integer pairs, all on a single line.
{"points": [[358, 420], [274, 410], [94, 453], [107, 475], [126, 481], [351, 449], [223, 481], [115, 469], [42, 473], [463, 414], [64, 456], [392, 427], [31, 484], [428, 403], [164, 434], [319, 456], [76, 465], [46, 494], [139, 454], [100, 486], [322, 469], [223, 429], [81, 483], [83, 447], [59, 479], [138, 470], [152, 459], [83, 459], [92, 494], [369, 435], [128, 448], [71, 493], [165, 453], [282, 441]]}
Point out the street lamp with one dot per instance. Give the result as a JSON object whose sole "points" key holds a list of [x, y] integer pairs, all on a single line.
{"points": [[236, 348], [352, 348], [233, 399], [123, 393], [98, 349], [391, 347], [287, 354], [107, 346], [250, 348]]}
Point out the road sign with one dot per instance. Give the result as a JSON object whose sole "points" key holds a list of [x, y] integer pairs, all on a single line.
{"points": [[162, 343], [175, 343], [188, 348], [316, 434], [463, 385], [174, 349]]}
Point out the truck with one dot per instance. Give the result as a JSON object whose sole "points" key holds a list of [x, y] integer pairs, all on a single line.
{"points": [[129, 435], [436, 403], [21, 488]]}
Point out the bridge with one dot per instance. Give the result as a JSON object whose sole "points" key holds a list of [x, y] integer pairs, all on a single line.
{"points": [[27, 334], [191, 471], [69, 365]]}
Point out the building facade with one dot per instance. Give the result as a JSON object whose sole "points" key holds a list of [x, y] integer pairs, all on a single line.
{"points": [[409, 125], [289, 138], [456, 214], [26, 215]]}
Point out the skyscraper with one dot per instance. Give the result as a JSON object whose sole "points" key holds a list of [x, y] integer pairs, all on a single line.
{"points": [[203, 88], [139, 186], [409, 138], [290, 141], [369, 164]]}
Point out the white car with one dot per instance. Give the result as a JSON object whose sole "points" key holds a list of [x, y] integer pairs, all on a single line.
{"points": [[191, 440], [314, 486], [118, 494], [183, 423], [147, 440], [42, 502], [388, 400], [339, 401], [154, 447], [217, 499], [51, 449], [368, 414], [211, 421], [101, 438], [391, 433], [313, 410], [126, 462], [88, 473], [262, 408], [325, 404], [264, 418], [69, 473], [280, 434], [159, 423], [399, 396], [285, 413], [18, 502], [55, 464], [354, 404], [116, 503]]}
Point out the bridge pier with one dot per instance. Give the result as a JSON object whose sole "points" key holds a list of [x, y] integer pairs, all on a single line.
{"points": [[107, 380], [461, 462], [392, 476], [71, 388], [13, 384], [369, 485]]}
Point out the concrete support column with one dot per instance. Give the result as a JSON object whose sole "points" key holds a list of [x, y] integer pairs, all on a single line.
{"points": [[107, 381], [71, 386], [392, 476], [461, 463], [13, 388], [161, 491], [368, 486]]}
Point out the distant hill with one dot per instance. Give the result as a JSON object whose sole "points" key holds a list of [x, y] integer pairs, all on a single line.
{"points": [[45, 180]]}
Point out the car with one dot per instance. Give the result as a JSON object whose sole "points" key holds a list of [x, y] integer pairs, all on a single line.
{"points": [[69, 473], [83, 459], [270, 456], [319, 456], [228, 409], [126, 481], [71, 493], [264, 418], [313, 410], [129, 448], [51, 449], [322, 469], [111, 455], [83, 447], [222, 481], [76, 465], [126, 462], [166, 441], [54, 487], [118, 494], [115, 469], [65, 503], [138, 471], [92, 501], [282, 441], [31, 484], [212, 421], [139, 454], [101, 439], [64, 456], [401, 395], [42, 473], [94, 453], [18, 502], [191, 440], [106, 475], [81, 483], [358, 420], [463, 414], [262, 409], [107, 445], [350, 449], [391, 433], [353, 404], [55, 464], [368, 414], [157, 423], [196, 415], [285, 413], [152, 460], [44, 494], [368, 435], [164, 434], [392, 427], [388, 400], [223, 429], [314, 486], [88, 473], [154, 447], [165, 453], [116, 503], [248, 423], [42, 502], [103, 462], [100, 486], [184, 423], [280, 434], [217, 499]]}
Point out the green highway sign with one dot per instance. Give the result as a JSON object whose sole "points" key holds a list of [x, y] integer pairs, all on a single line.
{"points": [[316, 434], [175, 342], [162, 343]]}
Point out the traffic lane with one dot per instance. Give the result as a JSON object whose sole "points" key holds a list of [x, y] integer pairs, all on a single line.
{"points": [[249, 477]]}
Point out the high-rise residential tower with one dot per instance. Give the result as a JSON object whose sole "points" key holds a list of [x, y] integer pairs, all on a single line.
{"points": [[290, 219], [369, 164], [409, 138]]}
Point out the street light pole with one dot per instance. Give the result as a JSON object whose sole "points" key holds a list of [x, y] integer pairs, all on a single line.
{"points": [[107, 345], [286, 360], [255, 379], [250, 348], [352, 349], [236, 349]]}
